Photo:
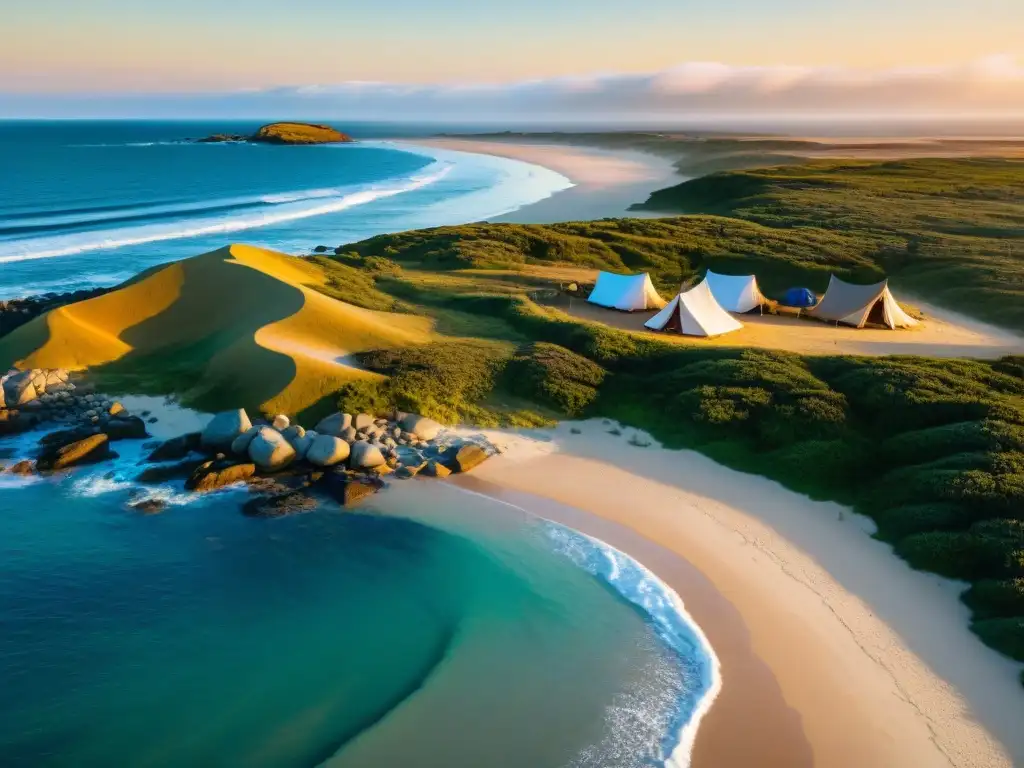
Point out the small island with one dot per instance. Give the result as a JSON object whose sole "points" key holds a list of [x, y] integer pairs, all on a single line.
{"points": [[285, 133]]}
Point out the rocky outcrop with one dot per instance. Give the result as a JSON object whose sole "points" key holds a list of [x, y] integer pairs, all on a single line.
{"points": [[149, 506], [88, 450], [299, 133], [211, 475], [224, 428], [284, 133]]}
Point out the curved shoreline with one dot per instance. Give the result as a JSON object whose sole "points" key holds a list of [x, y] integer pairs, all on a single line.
{"points": [[873, 661]]}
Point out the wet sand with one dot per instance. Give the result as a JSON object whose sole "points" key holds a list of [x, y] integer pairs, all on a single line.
{"points": [[607, 182], [834, 652]]}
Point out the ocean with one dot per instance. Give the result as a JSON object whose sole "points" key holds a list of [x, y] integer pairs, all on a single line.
{"points": [[431, 627], [91, 203]]}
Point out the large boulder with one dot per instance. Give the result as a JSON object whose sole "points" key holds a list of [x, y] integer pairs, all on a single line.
{"points": [[165, 472], [88, 450], [334, 424], [224, 428], [126, 428], [436, 469], [240, 445], [365, 456], [270, 451], [24, 394], [177, 447], [303, 442], [211, 475], [327, 450], [420, 426], [466, 458], [292, 433], [362, 422], [347, 490]]}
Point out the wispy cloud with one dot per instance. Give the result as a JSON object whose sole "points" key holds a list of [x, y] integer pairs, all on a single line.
{"points": [[993, 85]]}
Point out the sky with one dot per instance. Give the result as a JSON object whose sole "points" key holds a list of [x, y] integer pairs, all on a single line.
{"points": [[208, 57]]}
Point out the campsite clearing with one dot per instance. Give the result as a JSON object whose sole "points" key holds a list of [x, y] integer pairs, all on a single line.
{"points": [[942, 334]]}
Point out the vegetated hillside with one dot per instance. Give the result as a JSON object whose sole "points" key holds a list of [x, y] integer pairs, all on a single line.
{"points": [[933, 450], [673, 250], [952, 230]]}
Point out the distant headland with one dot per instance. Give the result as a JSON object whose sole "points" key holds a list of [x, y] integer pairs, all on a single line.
{"points": [[285, 133]]}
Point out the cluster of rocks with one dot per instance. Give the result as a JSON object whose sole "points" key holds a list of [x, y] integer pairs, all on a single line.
{"points": [[85, 443], [14, 313], [344, 458], [30, 398]]}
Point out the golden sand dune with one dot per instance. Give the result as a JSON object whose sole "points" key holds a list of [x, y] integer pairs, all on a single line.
{"points": [[240, 325]]}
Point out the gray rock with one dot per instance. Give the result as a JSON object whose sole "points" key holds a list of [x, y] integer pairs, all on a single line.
{"points": [[269, 450], [420, 426], [365, 456], [362, 422], [240, 444], [334, 424], [348, 435], [224, 428], [396, 433], [280, 422], [293, 432], [303, 444], [327, 450]]}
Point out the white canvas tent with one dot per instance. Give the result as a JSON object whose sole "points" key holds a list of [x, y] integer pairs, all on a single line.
{"points": [[735, 293], [695, 313], [626, 292], [857, 305]]}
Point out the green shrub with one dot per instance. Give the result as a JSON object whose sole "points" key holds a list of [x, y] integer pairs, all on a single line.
{"points": [[897, 522], [554, 376], [991, 599], [1005, 635], [444, 380]]}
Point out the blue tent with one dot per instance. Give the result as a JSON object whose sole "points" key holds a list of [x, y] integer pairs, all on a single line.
{"points": [[800, 297]]}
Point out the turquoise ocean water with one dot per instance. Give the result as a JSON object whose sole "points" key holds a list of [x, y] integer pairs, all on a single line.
{"points": [[92, 203], [432, 628]]}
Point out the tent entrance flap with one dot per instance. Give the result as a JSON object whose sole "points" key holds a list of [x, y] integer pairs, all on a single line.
{"points": [[694, 313]]}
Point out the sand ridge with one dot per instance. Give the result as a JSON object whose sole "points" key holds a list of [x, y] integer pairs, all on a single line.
{"points": [[246, 320]]}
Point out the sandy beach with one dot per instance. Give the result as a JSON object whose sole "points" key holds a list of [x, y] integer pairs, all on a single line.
{"points": [[834, 652], [606, 182]]}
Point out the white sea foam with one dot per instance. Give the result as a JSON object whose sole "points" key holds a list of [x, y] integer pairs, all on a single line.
{"points": [[66, 245], [666, 611]]}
